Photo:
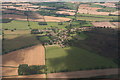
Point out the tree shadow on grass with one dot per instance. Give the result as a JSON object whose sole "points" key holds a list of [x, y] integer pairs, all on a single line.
{"points": [[78, 59]]}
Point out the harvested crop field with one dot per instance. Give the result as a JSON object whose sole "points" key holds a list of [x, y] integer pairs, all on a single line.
{"points": [[17, 31], [28, 76], [84, 74], [116, 24], [103, 24], [47, 18], [8, 71], [65, 13], [13, 16], [56, 19], [86, 9], [31, 56], [112, 4], [92, 11]]}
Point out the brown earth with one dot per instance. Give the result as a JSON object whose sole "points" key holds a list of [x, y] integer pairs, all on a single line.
{"points": [[107, 4], [116, 24], [84, 74], [17, 32], [115, 13], [65, 13], [32, 56], [28, 76], [56, 19], [13, 11], [90, 10], [103, 24], [12, 16], [47, 18]]}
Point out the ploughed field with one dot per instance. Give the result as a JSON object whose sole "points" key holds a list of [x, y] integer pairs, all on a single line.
{"points": [[74, 59]]}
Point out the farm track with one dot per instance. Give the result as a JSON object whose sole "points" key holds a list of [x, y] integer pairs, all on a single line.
{"points": [[84, 73], [32, 56]]}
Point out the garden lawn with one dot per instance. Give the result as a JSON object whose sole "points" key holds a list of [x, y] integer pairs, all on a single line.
{"points": [[74, 59]]}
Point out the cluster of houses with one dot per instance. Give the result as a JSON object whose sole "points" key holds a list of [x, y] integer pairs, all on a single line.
{"points": [[58, 36]]}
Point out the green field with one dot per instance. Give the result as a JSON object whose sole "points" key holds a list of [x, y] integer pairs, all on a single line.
{"points": [[72, 59], [91, 17], [34, 25], [107, 9], [104, 8], [15, 25], [96, 5]]}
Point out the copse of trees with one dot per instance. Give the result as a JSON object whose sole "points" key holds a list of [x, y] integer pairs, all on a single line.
{"points": [[5, 20], [24, 69], [118, 5], [42, 23]]}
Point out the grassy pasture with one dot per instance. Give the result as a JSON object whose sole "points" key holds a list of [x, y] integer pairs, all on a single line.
{"points": [[34, 25], [107, 9], [104, 8], [15, 25], [96, 5], [14, 42], [72, 59], [90, 17], [93, 19]]}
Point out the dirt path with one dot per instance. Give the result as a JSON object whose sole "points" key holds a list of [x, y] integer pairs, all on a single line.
{"points": [[84, 74], [32, 56]]}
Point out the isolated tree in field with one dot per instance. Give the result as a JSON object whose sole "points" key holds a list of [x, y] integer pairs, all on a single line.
{"points": [[60, 23]]}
